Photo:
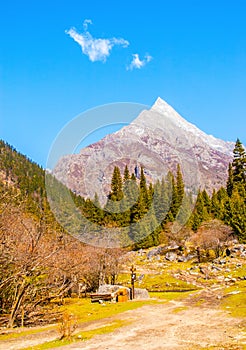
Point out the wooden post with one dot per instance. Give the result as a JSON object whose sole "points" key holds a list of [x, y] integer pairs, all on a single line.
{"points": [[133, 279], [198, 251]]}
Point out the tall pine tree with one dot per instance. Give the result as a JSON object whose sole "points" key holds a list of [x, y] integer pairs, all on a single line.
{"points": [[239, 163]]}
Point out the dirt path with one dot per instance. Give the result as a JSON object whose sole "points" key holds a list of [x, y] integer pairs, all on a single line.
{"points": [[173, 325]]}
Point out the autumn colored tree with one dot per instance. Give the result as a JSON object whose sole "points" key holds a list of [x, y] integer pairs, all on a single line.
{"points": [[211, 236]]}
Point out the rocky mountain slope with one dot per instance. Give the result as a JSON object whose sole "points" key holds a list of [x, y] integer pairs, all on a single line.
{"points": [[158, 139]]}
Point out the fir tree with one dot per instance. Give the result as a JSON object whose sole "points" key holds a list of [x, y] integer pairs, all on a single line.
{"points": [[239, 163], [174, 207], [179, 186], [113, 205], [116, 193], [97, 215], [229, 184], [126, 174], [200, 213], [235, 214], [150, 195], [215, 206], [143, 189], [206, 201], [161, 201]]}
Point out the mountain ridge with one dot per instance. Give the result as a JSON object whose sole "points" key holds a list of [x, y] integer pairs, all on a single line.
{"points": [[158, 139]]}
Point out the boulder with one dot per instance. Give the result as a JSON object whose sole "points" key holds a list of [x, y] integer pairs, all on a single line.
{"points": [[243, 254], [154, 252], [112, 289], [140, 293], [182, 258], [171, 256]]}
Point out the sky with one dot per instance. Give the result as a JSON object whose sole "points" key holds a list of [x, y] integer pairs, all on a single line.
{"points": [[61, 58]]}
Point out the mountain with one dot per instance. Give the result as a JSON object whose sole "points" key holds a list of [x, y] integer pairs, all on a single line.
{"points": [[158, 139]]}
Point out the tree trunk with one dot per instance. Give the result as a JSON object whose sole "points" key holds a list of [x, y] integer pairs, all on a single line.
{"points": [[17, 303]]}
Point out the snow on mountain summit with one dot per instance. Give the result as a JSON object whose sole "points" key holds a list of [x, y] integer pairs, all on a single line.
{"points": [[164, 109]]}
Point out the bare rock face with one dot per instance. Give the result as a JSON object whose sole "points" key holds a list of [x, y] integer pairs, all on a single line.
{"points": [[158, 139]]}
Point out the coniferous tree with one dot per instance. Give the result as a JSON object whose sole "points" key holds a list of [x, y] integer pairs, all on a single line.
{"points": [[133, 190], [229, 184], [235, 204], [179, 186], [185, 210], [115, 197], [143, 190], [235, 214], [200, 213], [174, 206], [116, 193], [206, 201], [215, 206], [150, 195], [126, 174], [162, 201], [239, 163], [97, 215]]}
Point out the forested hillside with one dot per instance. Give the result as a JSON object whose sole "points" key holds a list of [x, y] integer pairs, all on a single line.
{"points": [[166, 202], [227, 204]]}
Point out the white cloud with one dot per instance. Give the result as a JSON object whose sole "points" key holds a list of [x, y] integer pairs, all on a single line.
{"points": [[86, 22], [138, 63], [95, 49]]}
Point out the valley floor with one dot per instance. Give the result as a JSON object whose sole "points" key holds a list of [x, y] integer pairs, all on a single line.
{"points": [[174, 325], [192, 323]]}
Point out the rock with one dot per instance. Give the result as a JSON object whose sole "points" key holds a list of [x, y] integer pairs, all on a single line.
{"points": [[243, 278], [216, 268], [173, 246], [222, 262], [182, 258], [154, 252], [234, 292], [204, 271], [243, 254], [111, 289], [238, 248], [190, 257], [194, 273], [241, 248], [220, 278], [230, 280], [140, 293], [170, 256], [140, 252]]}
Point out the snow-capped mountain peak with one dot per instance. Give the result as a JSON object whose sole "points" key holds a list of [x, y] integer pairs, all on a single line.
{"points": [[163, 108], [158, 139]]}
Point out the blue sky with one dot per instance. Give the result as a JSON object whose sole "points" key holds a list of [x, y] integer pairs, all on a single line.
{"points": [[190, 53]]}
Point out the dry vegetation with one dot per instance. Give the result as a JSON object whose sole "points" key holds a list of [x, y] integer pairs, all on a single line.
{"points": [[38, 266]]}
